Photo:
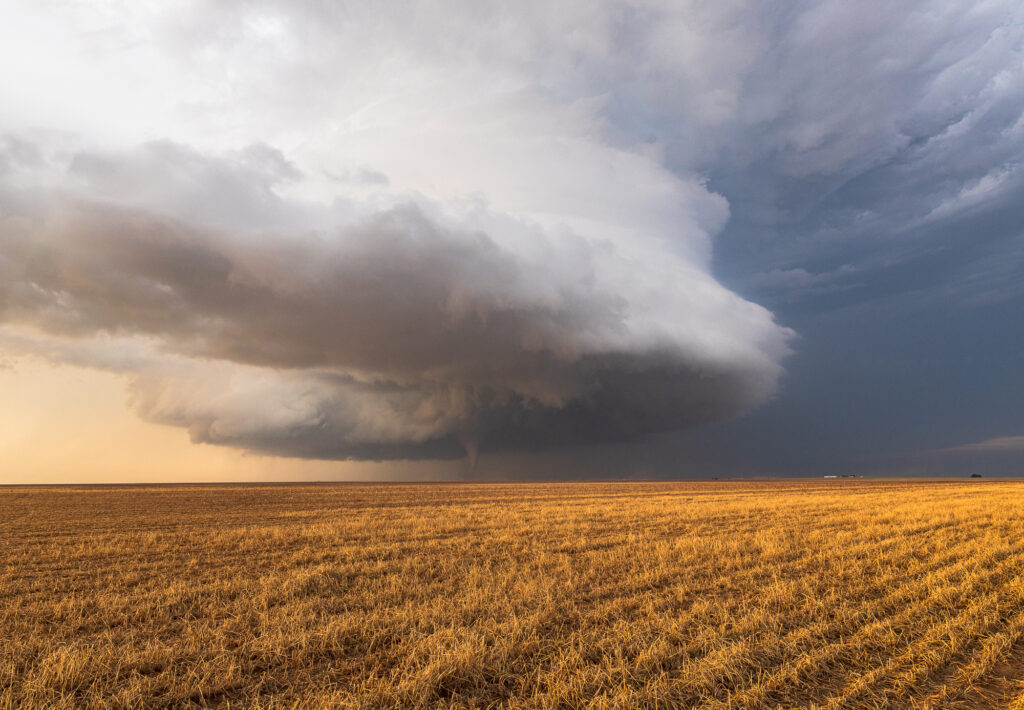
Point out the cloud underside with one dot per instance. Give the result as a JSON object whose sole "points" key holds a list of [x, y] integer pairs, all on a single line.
{"points": [[398, 336]]}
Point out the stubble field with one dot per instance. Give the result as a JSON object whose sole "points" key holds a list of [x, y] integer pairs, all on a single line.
{"points": [[826, 594]]}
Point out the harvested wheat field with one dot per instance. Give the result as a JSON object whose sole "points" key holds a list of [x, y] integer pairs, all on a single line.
{"points": [[839, 594]]}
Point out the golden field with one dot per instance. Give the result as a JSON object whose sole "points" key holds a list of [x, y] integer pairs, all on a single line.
{"points": [[733, 594]]}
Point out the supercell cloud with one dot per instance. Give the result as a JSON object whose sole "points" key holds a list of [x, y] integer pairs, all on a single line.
{"points": [[363, 231], [407, 331]]}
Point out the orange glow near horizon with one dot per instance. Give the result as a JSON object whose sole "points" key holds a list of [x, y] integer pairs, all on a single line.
{"points": [[64, 424]]}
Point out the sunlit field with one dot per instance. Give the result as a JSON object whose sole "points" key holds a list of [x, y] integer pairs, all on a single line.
{"points": [[826, 594]]}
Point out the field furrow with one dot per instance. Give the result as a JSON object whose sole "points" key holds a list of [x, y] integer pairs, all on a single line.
{"points": [[733, 594]]}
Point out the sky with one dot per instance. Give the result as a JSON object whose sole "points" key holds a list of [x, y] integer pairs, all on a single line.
{"points": [[421, 240]]}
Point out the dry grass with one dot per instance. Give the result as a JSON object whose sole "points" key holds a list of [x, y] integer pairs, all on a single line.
{"points": [[734, 594]]}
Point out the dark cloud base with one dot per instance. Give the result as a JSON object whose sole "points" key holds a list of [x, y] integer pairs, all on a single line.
{"points": [[628, 399], [396, 338]]}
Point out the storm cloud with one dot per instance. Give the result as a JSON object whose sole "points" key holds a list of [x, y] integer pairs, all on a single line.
{"points": [[403, 334], [352, 231]]}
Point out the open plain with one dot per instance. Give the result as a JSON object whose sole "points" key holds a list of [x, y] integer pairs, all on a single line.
{"points": [[732, 594]]}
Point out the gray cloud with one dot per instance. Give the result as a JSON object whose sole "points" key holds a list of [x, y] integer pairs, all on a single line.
{"points": [[1001, 443], [801, 283], [864, 130], [399, 335], [172, 179]]}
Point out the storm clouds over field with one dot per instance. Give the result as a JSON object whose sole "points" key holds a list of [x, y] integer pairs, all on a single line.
{"points": [[363, 232]]}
